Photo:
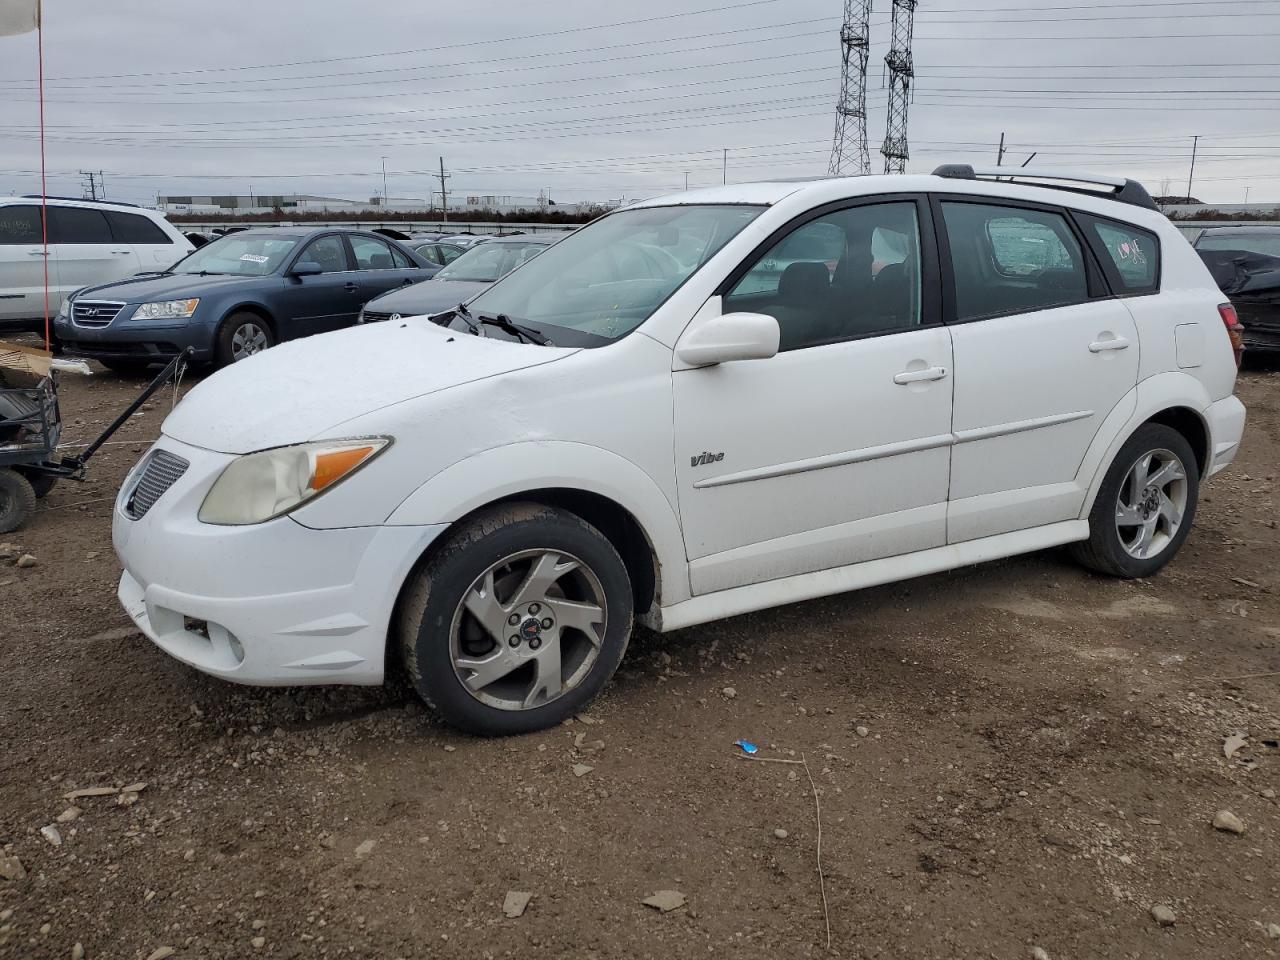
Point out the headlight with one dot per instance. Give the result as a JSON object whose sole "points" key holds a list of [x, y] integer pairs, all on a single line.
{"points": [[360, 316], [262, 486], [166, 310], [64, 311]]}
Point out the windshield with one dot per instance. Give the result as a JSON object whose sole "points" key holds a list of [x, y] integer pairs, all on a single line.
{"points": [[490, 261], [240, 254], [1265, 243], [609, 277]]}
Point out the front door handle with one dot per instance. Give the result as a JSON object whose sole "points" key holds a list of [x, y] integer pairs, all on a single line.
{"points": [[36, 253], [351, 287], [1115, 343], [917, 376]]}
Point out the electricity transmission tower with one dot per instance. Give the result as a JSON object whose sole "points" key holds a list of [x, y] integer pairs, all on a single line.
{"points": [[901, 73], [849, 151]]}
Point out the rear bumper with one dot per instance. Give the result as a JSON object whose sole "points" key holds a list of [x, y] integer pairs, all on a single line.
{"points": [[1225, 419]]}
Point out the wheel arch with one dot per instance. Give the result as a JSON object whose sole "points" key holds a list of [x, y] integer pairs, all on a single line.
{"points": [[1176, 400], [607, 490], [254, 307]]}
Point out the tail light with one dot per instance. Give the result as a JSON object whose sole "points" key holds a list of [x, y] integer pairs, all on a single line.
{"points": [[1234, 329]]}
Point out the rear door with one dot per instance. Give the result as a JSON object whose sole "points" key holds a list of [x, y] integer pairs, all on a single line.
{"points": [[156, 250], [381, 266], [1043, 354], [328, 300], [22, 264], [86, 253]]}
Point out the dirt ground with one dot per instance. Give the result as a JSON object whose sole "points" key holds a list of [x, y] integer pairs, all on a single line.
{"points": [[1014, 756]]}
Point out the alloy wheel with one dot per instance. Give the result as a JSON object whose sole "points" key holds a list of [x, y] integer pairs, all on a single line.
{"points": [[1151, 504], [528, 630], [248, 339]]}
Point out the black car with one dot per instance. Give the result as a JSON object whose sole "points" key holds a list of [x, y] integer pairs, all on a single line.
{"points": [[236, 296], [459, 281], [1245, 263]]}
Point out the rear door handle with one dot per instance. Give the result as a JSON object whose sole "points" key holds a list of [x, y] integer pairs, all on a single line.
{"points": [[916, 376], [351, 286], [1115, 343], [122, 253], [36, 253]]}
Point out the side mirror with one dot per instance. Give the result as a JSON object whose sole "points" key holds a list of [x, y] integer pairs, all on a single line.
{"points": [[731, 336], [306, 268]]}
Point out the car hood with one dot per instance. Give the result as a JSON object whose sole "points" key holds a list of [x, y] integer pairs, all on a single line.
{"points": [[177, 286], [304, 389], [429, 296]]}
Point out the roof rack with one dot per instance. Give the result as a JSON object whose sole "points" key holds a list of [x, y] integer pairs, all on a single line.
{"points": [[113, 203], [1112, 188]]}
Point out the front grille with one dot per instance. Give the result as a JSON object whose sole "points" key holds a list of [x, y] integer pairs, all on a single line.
{"points": [[371, 316], [95, 313], [160, 473]]}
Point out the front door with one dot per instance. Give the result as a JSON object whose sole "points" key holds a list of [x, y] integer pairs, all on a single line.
{"points": [[1042, 356], [836, 450], [328, 300]]}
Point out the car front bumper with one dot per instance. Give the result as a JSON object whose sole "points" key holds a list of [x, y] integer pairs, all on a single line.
{"points": [[276, 603], [127, 340]]}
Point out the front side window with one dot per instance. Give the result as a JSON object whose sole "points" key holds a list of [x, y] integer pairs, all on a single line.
{"points": [[370, 254], [328, 252], [134, 228], [77, 225], [1134, 252], [241, 255], [848, 274], [609, 277], [20, 225], [1012, 260]]}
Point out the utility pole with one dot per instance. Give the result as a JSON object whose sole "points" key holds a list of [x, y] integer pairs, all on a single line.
{"points": [[1195, 142], [849, 151], [1000, 152], [90, 183], [725, 173], [901, 72], [1246, 194], [686, 181], [384, 183], [444, 196]]}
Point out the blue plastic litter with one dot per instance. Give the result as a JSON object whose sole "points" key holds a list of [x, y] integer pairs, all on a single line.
{"points": [[747, 747]]}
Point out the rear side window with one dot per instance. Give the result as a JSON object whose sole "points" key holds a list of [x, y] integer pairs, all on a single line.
{"points": [[19, 225], [371, 254], [1132, 251], [401, 261], [77, 225], [1012, 260], [133, 228]]}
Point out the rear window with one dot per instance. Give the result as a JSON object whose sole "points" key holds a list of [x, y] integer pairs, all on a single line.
{"points": [[1133, 254], [134, 228], [20, 225]]}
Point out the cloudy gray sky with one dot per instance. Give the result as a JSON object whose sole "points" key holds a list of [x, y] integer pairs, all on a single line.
{"points": [[522, 95]]}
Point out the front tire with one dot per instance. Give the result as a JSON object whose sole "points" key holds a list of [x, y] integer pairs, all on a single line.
{"points": [[517, 621], [241, 336], [1145, 506], [17, 500]]}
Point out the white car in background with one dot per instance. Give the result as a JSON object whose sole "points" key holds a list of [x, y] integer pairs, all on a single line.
{"points": [[692, 408], [90, 242]]}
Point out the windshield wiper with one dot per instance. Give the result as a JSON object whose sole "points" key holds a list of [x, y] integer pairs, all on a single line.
{"points": [[503, 322], [464, 315]]}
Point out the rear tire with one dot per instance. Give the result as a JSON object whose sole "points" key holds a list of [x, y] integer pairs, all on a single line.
{"points": [[17, 500], [1145, 506], [241, 336], [523, 572]]}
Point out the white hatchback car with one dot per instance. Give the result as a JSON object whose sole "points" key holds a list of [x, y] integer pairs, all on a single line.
{"points": [[90, 242], [694, 407]]}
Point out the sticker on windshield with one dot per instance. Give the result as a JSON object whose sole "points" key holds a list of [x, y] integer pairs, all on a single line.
{"points": [[254, 258]]}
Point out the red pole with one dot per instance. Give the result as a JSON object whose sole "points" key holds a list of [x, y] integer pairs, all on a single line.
{"points": [[44, 189]]}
